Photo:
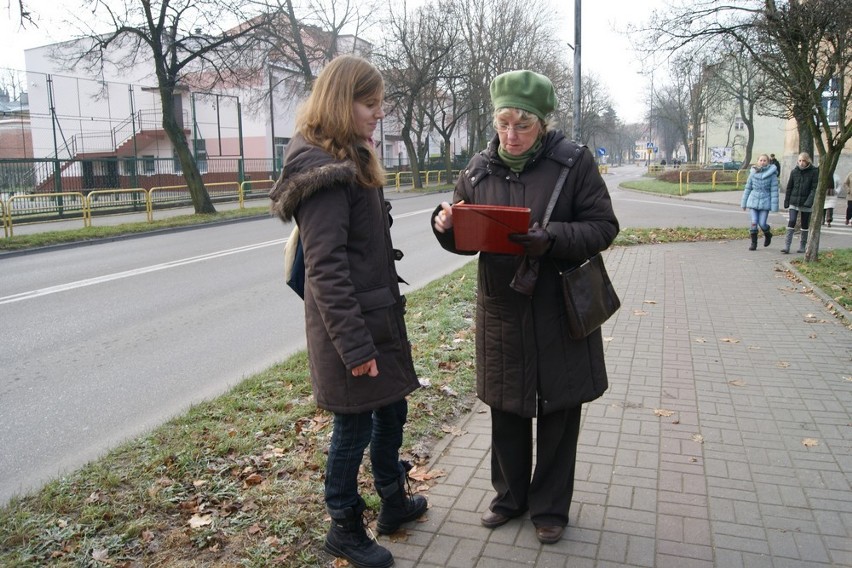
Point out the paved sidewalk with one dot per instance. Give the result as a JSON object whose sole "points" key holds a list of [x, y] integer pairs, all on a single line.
{"points": [[725, 438]]}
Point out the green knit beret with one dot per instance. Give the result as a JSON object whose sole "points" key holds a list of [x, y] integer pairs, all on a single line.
{"points": [[525, 90]]}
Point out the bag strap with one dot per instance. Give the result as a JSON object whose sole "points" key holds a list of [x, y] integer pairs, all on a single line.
{"points": [[563, 175]]}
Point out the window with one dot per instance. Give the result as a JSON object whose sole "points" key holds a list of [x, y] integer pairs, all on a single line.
{"points": [[280, 149], [148, 164], [739, 124], [831, 101], [201, 155]]}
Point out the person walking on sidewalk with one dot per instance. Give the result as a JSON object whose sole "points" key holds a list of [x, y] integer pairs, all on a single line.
{"points": [[847, 189], [760, 196], [774, 161], [526, 364], [831, 200], [799, 198], [360, 358]]}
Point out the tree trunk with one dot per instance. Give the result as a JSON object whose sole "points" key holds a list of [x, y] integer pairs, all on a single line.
{"points": [[197, 192], [448, 159], [412, 158]]}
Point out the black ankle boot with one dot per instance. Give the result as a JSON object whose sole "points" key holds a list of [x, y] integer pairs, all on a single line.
{"points": [[753, 245], [347, 539], [398, 506], [767, 236]]}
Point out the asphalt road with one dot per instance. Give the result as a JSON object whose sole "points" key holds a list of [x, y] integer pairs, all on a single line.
{"points": [[101, 343]]}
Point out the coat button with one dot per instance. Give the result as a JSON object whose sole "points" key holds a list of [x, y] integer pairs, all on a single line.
{"points": [[473, 178]]}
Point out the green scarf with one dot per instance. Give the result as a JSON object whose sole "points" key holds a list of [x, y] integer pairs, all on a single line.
{"points": [[517, 163]]}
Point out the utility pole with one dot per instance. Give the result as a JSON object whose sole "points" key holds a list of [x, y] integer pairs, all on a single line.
{"points": [[577, 25]]}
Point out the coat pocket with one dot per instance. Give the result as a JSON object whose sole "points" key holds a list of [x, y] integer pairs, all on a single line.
{"points": [[377, 307]]}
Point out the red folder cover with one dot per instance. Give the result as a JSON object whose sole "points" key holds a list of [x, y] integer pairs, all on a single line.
{"points": [[487, 227]]}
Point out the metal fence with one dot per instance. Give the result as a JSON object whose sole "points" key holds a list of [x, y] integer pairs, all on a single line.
{"points": [[27, 176]]}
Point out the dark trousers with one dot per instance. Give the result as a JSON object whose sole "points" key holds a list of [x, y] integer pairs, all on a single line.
{"points": [[794, 213], [380, 429], [848, 211], [547, 492]]}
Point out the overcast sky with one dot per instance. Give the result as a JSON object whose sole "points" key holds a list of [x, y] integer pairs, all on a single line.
{"points": [[604, 51]]}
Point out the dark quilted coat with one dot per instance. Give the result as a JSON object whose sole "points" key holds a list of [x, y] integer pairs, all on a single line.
{"points": [[353, 308], [525, 361]]}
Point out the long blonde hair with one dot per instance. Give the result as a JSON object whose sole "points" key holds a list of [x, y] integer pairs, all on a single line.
{"points": [[326, 120]]}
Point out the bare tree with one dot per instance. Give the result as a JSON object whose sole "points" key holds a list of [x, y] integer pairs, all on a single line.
{"points": [[302, 38], [594, 108], [805, 50], [413, 59], [504, 35], [682, 106], [194, 43], [24, 16]]}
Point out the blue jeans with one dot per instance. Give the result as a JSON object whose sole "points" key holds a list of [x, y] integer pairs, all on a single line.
{"points": [[380, 429], [759, 218]]}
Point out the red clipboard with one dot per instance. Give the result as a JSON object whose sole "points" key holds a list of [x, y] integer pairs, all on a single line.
{"points": [[486, 228]]}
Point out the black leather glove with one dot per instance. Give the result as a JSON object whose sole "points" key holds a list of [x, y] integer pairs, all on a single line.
{"points": [[536, 242]]}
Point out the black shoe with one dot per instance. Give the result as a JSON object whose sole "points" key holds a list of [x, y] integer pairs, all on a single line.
{"points": [[347, 539], [398, 506]]}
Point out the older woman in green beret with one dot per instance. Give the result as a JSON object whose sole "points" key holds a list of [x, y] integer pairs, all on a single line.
{"points": [[527, 365]]}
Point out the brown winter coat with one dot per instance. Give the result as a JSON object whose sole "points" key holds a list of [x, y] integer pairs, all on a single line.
{"points": [[353, 308], [526, 363]]}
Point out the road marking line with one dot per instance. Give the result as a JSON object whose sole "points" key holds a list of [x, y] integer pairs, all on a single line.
{"points": [[135, 272]]}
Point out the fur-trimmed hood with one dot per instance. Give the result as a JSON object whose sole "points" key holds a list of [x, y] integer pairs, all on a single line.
{"points": [[307, 170]]}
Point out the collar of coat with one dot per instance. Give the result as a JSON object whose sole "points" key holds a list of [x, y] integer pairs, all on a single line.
{"points": [[555, 146], [308, 169]]}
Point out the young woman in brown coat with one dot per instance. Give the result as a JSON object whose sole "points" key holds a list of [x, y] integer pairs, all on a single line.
{"points": [[360, 357]]}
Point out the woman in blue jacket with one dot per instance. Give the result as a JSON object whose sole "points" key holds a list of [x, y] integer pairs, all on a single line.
{"points": [[760, 197]]}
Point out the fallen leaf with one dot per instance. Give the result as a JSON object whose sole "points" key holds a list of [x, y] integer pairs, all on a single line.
{"points": [[198, 521], [729, 340], [640, 313], [607, 338], [448, 391], [199, 482], [810, 442], [100, 554], [737, 383], [698, 438], [848, 379], [663, 412], [254, 529], [700, 340], [782, 364], [455, 431], [693, 460], [254, 479], [650, 302], [425, 382]]}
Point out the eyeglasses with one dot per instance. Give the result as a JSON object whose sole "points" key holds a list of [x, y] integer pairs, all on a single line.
{"points": [[520, 128]]}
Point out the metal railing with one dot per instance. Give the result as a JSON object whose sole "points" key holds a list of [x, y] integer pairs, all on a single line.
{"points": [[397, 179], [716, 184], [40, 207]]}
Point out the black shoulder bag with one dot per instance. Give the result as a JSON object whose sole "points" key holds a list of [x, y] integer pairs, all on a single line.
{"points": [[590, 298]]}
